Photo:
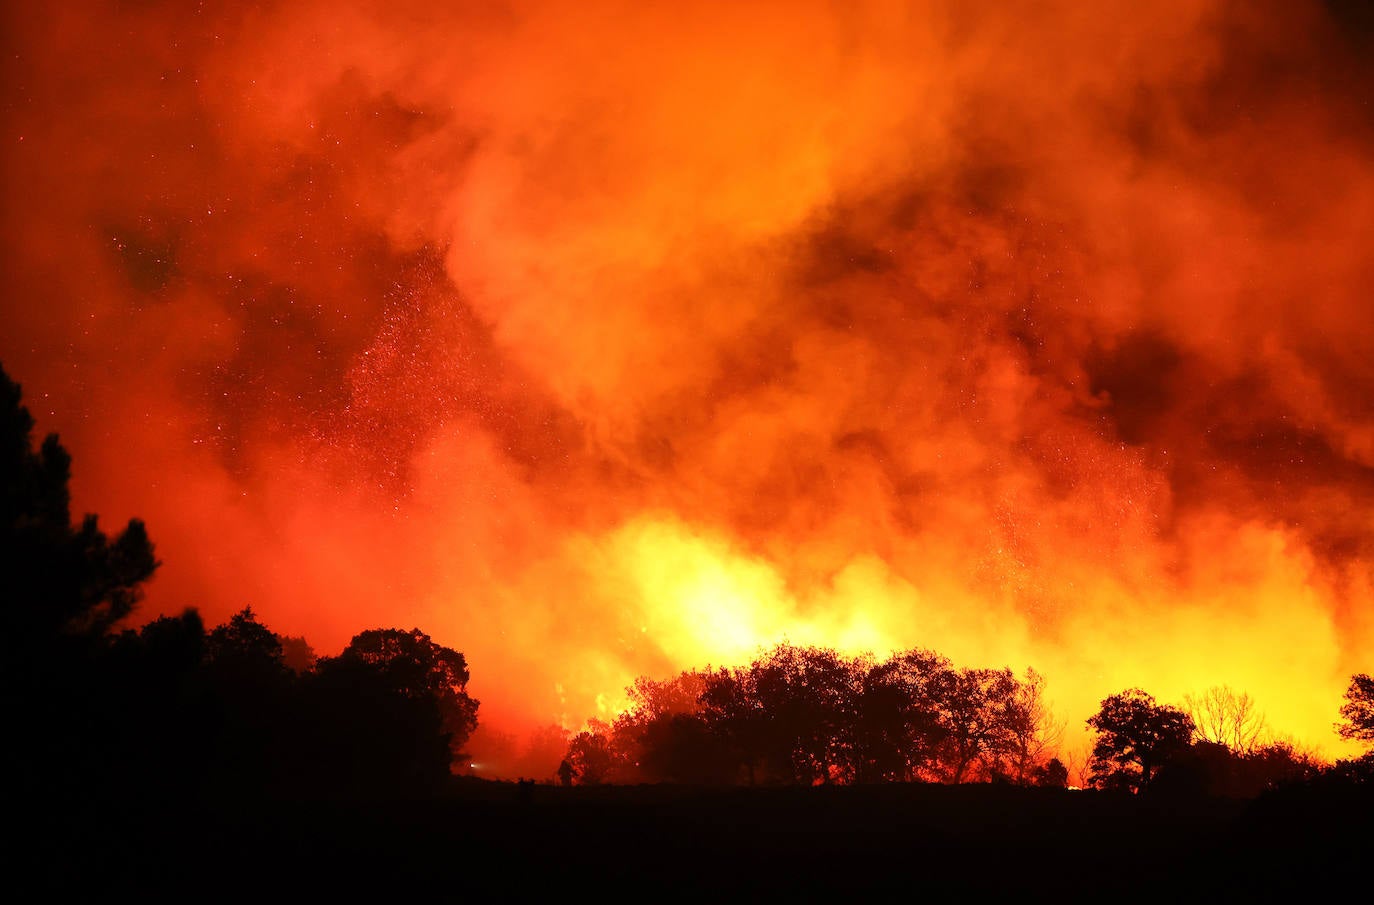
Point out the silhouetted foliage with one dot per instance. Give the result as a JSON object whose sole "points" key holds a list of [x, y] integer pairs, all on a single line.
{"points": [[1225, 717], [791, 716], [808, 716], [258, 706], [1051, 775], [371, 719], [1202, 768], [246, 651], [663, 736], [899, 730], [1267, 766], [682, 747], [62, 588], [1136, 738], [366, 734], [805, 696], [591, 757], [413, 666], [1030, 733], [977, 710], [296, 653], [1357, 713], [392, 705], [159, 713], [1353, 771], [59, 578]]}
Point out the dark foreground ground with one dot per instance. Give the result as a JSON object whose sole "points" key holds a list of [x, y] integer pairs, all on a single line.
{"points": [[484, 841]]}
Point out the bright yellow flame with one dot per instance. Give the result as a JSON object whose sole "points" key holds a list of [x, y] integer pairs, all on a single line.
{"points": [[698, 599], [1252, 617]]}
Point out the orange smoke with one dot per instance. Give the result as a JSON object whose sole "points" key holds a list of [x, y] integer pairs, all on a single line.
{"points": [[601, 339]]}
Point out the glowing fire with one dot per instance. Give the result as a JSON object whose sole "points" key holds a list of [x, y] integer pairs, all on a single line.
{"points": [[602, 339]]}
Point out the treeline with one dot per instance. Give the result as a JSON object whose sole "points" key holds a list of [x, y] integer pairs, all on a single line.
{"points": [[808, 715], [174, 708]]}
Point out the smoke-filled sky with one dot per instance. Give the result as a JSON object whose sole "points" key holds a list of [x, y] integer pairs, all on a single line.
{"points": [[599, 339]]}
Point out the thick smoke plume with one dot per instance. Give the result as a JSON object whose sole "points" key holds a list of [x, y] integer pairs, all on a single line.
{"points": [[601, 339]]}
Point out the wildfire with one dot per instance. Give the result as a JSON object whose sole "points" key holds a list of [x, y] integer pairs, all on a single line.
{"points": [[613, 339]]}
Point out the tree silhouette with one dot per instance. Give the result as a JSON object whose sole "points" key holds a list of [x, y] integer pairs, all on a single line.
{"points": [[681, 747], [788, 715], [409, 666], [257, 699], [62, 587], [246, 648], [59, 578], [1357, 712], [1226, 717], [591, 756], [807, 715], [157, 718], [977, 711], [733, 712], [898, 730], [808, 694], [1219, 770], [297, 653], [1051, 775], [1031, 731], [1136, 737], [665, 736]]}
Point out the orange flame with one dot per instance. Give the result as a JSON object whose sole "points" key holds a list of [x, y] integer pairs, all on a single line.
{"points": [[601, 339]]}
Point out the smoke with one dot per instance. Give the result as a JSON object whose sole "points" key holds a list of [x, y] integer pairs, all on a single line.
{"points": [[599, 339]]}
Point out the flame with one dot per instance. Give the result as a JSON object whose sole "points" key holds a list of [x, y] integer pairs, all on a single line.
{"points": [[601, 339]]}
